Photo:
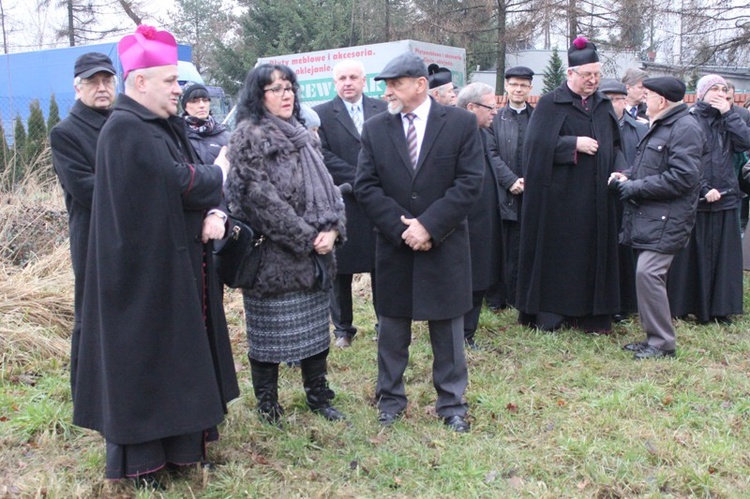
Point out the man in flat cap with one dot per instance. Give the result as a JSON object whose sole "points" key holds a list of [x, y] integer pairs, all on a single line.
{"points": [[631, 132], [155, 370], [509, 128], [441, 85], [660, 191], [420, 172], [568, 269], [73, 144], [705, 279], [341, 121]]}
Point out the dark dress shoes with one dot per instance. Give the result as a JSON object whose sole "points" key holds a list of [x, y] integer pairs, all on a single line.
{"points": [[635, 347], [650, 352], [388, 418], [457, 423]]}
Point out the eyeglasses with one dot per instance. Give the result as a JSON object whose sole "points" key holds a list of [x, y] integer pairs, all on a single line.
{"points": [[587, 75], [108, 81], [491, 108], [280, 90], [522, 86]]}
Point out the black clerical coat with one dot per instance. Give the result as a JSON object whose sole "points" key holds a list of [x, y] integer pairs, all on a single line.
{"points": [[568, 253], [73, 145], [155, 359]]}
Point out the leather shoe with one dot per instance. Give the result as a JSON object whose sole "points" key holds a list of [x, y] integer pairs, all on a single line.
{"points": [[650, 352], [388, 418], [457, 423], [635, 347], [343, 342]]}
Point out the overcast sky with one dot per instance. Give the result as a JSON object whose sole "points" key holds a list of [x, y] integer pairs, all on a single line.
{"points": [[30, 28]]}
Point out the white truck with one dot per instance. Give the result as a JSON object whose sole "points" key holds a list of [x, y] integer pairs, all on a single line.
{"points": [[315, 69]]}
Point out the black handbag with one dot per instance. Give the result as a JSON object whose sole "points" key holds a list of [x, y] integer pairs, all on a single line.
{"points": [[238, 255]]}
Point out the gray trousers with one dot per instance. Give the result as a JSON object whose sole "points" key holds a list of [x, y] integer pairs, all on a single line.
{"points": [[449, 372], [653, 303]]}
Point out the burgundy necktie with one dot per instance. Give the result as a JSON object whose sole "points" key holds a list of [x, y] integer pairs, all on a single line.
{"points": [[411, 139]]}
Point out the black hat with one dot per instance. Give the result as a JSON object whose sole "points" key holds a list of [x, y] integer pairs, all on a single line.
{"points": [[520, 72], [192, 90], [407, 64], [91, 63], [612, 86], [582, 52], [668, 87], [438, 76]]}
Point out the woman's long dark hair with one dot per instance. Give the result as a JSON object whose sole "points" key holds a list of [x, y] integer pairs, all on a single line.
{"points": [[250, 105]]}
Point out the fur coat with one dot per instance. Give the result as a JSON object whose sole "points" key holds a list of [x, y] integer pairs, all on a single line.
{"points": [[265, 187]]}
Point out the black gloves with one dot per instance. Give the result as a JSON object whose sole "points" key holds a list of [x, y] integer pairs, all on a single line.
{"points": [[624, 189]]}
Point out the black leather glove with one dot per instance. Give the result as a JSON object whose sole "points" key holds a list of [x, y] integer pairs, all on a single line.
{"points": [[627, 190], [615, 187]]}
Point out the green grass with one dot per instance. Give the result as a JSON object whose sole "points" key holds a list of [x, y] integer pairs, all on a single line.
{"points": [[554, 415]]}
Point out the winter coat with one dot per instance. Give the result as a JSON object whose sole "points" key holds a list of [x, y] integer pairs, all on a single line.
{"points": [[265, 188], [505, 126], [568, 256], [662, 190], [725, 134], [208, 145], [155, 359], [440, 192], [340, 142], [73, 145]]}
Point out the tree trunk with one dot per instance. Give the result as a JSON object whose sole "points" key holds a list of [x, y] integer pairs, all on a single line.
{"points": [[502, 45]]}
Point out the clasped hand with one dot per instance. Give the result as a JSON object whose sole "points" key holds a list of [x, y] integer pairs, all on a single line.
{"points": [[415, 235]]}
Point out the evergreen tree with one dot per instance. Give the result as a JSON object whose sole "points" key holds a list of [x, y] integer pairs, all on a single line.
{"points": [[5, 155], [554, 73], [36, 140], [54, 113], [15, 170]]}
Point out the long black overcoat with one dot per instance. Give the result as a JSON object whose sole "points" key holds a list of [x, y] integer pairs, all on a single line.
{"points": [[73, 145], [568, 253], [340, 141], [155, 359], [440, 192]]}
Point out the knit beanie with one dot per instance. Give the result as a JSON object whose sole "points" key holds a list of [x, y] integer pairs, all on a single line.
{"points": [[705, 83]]}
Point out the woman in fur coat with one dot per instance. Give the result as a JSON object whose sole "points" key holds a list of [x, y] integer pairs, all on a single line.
{"points": [[279, 184]]}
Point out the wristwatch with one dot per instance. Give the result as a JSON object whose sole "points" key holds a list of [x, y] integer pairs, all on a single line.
{"points": [[219, 214]]}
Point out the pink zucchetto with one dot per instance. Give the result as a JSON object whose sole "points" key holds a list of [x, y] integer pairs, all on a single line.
{"points": [[146, 48]]}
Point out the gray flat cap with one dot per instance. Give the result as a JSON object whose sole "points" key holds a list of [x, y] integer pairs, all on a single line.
{"points": [[612, 86], [407, 64]]}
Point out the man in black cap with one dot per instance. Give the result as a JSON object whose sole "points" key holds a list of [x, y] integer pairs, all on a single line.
{"points": [[568, 271], [631, 132], [660, 191], [419, 174], [73, 144], [341, 121], [441, 85], [509, 128]]}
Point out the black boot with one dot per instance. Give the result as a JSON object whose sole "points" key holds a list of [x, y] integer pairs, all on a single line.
{"points": [[266, 387], [319, 396]]}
